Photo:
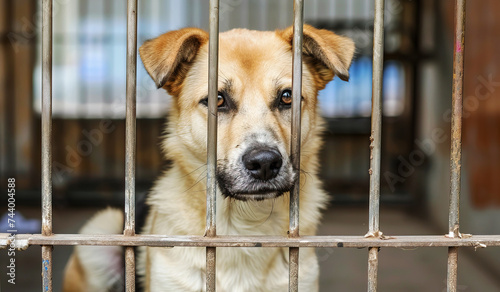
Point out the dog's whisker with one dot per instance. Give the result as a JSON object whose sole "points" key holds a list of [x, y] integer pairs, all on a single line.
{"points": [[197, 182], [192, 172]]}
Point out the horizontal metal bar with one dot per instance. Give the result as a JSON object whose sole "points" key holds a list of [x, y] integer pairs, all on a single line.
{"points": [[22, 241]]}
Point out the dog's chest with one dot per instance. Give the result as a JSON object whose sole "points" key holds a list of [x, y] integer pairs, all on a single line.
{"points": [[238, 269]]}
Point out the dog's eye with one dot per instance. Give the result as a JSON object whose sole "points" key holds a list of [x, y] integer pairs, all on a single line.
{"points": [[221, 101], [286, 97]]}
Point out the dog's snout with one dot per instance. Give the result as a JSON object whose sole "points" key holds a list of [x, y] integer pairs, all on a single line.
{"points": [[263, 163]]}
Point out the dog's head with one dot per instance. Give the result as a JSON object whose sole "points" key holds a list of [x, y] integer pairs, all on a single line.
{"points": [[254, 102]]}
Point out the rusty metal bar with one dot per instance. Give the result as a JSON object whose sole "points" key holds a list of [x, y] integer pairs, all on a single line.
{"points": [[213, 64], [8, 112], [375, 141], [293, 252], [213, 71], [129, 269], [372, 268], [451, 282], [24, 240], [293, 267], [46, 142], [130, 137], [456, 119], [210, 262], [47, 268], [456, 141], [130, 142], [296, 113]]}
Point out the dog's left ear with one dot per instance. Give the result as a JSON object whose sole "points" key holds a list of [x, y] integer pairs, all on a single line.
{"points": [[328, 54]]}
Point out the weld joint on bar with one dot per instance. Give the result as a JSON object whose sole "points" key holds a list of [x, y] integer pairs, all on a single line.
{"points": [[377, 235]]}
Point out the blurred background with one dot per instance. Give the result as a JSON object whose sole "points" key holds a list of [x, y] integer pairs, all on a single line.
{"points": [[89, 128]]}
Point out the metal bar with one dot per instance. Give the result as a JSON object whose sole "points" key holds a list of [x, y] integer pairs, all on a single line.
{"points": [[130, 142], [213, 64], [210, 262], [293, 267], [8, 112], [456, 141], [375, 140], [130, 137], [24, 240], [46, 142], [372, 268], [47, 268], [456, 120], [293, 252], [451, 282], [213, 71], [129, 269], [376, 119], [296, 113]]}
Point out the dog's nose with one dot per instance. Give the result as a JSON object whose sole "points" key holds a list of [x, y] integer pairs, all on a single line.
{"points": [[263, 163]]}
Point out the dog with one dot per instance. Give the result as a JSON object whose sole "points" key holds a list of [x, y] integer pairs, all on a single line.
{"points": [[254, 171]]}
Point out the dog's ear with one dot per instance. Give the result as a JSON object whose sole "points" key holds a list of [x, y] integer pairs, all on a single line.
{"points": [[328, 54], [168, 57]]}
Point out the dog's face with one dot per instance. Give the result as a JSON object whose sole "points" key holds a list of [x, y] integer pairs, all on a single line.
{"points": [[254, 101]]}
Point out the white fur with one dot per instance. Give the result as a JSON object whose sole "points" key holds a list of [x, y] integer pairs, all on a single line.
{"points": [[103, 265]]}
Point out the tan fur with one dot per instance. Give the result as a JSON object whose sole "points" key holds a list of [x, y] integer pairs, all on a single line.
{"points": [[74, 276], [253, 66]]}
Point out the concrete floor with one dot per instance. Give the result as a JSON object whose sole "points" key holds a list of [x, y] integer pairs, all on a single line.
{"points": [[342, 269]]}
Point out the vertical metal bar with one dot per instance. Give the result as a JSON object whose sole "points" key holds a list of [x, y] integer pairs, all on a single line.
{"points": [[298, 26], [451, 282], [213, 71], [456, 141], [130, 142], [296, 114], [212, 116], [46, 142], [293, 268], [375, 140], [456, 121], [211, 277], [9, 166]]}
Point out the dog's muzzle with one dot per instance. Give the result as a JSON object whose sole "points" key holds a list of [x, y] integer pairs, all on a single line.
{"points": [[261, 173]]}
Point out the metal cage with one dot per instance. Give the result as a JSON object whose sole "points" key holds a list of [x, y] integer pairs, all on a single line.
{"points": [[373, 240]]}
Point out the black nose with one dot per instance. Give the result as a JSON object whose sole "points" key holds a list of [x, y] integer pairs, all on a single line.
{"points": [[263, 163]]}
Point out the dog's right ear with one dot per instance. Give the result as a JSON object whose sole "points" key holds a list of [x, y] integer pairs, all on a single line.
{"points": [[168, 57], [328, 53]]}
